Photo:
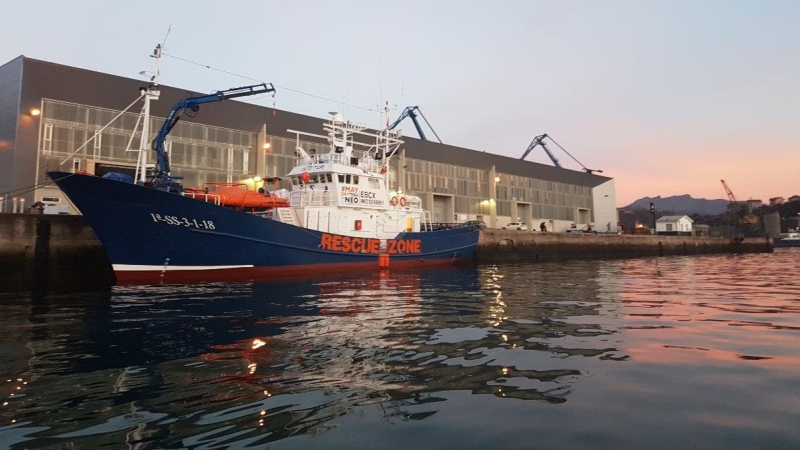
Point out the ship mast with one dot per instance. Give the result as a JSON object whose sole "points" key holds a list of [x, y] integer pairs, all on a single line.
{"points": [[151, 93]]}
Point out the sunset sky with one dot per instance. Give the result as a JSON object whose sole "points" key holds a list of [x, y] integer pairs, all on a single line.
{"points": [[667, 97]]}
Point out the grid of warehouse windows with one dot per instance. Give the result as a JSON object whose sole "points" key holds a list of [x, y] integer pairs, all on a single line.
{"points": [[81, 133], [471, 189]]}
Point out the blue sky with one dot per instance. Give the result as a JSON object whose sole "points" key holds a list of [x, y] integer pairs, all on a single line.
{"points": [[667, 97]]}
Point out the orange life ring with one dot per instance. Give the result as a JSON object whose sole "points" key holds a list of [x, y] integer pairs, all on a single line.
{"points": [[403, 202], [393, 201], [305, 177]]}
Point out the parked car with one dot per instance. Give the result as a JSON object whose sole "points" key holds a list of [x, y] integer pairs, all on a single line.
{"points": [[479, 224], [516, 226]]}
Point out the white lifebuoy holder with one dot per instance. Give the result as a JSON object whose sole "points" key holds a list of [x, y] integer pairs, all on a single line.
{"points": [[403, 202], [393, 201]]}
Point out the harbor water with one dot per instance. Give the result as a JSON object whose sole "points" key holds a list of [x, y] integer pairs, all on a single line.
{"points": [[675, 352]]}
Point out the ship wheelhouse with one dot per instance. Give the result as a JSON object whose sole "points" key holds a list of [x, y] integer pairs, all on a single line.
{"points": [[345, 190]]}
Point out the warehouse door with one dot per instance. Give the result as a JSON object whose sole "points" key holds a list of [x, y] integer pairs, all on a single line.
{"points": [[442, 205], [584, 216], [524, 214]]}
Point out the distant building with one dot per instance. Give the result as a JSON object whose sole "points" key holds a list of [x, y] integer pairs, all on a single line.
{"points": [[701, 230], [752, 205], [674, 226], [772, 224], [777, 201]]}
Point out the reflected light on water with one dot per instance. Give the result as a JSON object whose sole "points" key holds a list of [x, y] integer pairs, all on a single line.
{"points": [[573, 353]]}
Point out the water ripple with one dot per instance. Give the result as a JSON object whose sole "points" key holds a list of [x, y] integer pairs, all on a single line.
{"points": [[576, 354]]}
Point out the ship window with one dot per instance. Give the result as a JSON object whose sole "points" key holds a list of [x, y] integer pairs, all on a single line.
{"points": [[341, 178], [355, 179], [347, 179], [312, 179], [330, 178], [294, 181]]}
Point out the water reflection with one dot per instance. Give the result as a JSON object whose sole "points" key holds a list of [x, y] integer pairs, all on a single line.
{"points": [[209, 365]]}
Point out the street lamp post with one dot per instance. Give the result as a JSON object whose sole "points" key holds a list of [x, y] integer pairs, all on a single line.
{"points": [[493, 179], [653, 212], [496, 195]]}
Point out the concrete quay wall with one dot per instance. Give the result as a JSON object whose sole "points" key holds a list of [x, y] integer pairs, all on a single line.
{"points": [[34, 247], [496, 246]]}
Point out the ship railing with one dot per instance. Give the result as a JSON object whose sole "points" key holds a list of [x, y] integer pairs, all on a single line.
{"points": [[312, 197], [426, 220], [365, 163], [448, 225], [324, 158], [370, 165], [204, 196]]}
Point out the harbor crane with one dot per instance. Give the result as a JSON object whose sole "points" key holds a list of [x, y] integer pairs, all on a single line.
{"points": [[540, 140], [411, 112], [190, 106], [748, 222], [734, 205]]}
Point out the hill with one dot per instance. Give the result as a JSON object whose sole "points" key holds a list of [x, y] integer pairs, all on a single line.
{"points": [[681, 204]]}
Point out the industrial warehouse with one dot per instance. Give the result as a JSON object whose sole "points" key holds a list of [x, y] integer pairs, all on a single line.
{"points": [[54, 117]]}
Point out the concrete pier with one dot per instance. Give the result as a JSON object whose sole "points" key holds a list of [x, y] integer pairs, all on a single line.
{"points": [[497, 246], [40, 250]]}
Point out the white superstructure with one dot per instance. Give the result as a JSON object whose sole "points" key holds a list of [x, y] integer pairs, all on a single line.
{"points": [[346, 190]]}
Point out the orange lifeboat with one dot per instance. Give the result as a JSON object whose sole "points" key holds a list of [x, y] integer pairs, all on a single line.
{"points": [[234, 196]]}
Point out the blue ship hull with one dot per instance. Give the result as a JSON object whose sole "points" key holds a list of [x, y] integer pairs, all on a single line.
{"points": [[154, 236]]}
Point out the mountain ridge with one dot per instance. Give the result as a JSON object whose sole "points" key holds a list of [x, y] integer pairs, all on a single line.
{"points": [[681, 204]]}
